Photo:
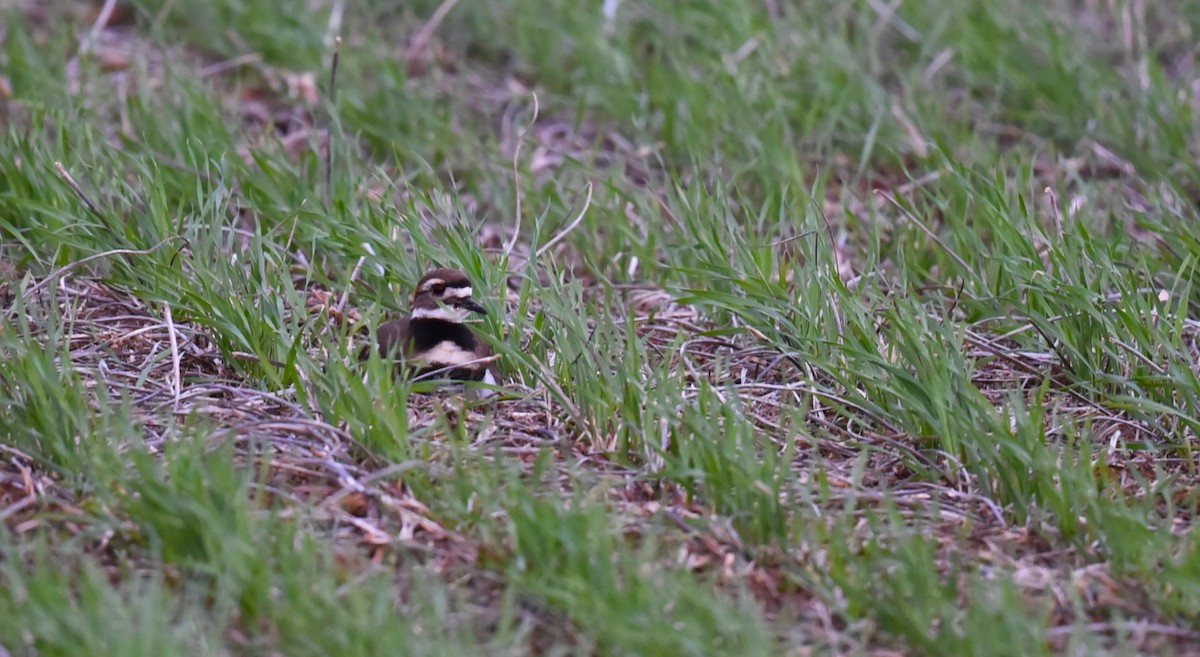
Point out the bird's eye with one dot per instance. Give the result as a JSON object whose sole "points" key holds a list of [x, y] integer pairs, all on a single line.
{"points": [[439, 289]]}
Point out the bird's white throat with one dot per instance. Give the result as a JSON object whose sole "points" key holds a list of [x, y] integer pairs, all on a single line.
{"points": [[446, 313]]}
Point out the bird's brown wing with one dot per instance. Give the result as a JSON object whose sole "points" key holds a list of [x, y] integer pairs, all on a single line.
{"points": [[485, 351], [391, 338], [481, 346]]}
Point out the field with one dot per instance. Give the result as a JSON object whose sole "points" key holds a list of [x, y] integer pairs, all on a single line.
{"points": [[825, 327]]}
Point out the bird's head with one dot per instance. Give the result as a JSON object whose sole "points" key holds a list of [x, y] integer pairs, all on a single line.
{"points": [[444, 294]]}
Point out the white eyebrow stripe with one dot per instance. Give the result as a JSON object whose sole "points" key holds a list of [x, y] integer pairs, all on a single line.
{"points": [[456, 315], [428, 285], [457, 292]]}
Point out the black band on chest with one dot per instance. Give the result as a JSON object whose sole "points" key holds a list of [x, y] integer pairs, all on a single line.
{"points": [[428, 332]]}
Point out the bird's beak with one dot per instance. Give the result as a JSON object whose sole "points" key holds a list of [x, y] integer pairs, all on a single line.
{"points": [[473, 306]]}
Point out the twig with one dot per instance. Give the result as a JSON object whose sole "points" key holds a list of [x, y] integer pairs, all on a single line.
{"points": [[1052, 197], [336, 13], [246, 356], [1062, 356], [17, 507], [837, 265], [954, 304], [101, 21], [887, 16], [1125, 626], [353, 277], [441, 370], [352, 486], [1139, 356], [913, 184], [853, 283], [784, 240], [230, 64], [164, 11], [177, 383], [62, 171], [421, 38], [512, 241], [913, 218], [837, 270], [72, 265], [333, 67], [587, 203]]}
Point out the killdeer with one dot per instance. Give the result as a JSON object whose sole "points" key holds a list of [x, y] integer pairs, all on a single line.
{"points": [[432, 340]]}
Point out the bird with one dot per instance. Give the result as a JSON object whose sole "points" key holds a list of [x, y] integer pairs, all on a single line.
{"points": [[432, 340]]}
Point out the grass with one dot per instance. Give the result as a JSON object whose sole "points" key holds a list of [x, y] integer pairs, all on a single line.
{"points": [[825, 328]]}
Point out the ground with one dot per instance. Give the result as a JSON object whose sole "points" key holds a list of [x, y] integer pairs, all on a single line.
{"points": [[856, 328]]}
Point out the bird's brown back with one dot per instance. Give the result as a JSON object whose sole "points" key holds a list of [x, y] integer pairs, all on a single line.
{"points": [[395, 339]]}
